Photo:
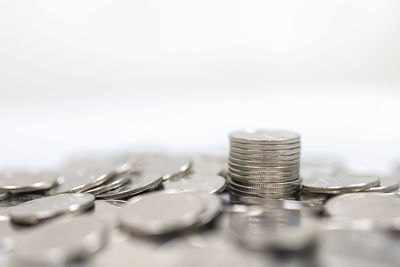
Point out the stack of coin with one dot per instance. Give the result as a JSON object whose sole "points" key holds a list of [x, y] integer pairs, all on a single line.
{"points": [[264, 163]]}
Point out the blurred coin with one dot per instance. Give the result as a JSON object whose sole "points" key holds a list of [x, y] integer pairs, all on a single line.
{"points": [[303, 207], [377, 209], [113, 183], [16, 199], [138, 184], [210, 183], [388, 184], [264, 136], [161, 213], [263, 190], [58, 243], [40, 209], [212, 207], [258, 169], [351, 248], [288, 185], [261, 148], [338, 184], [265, 163], [235, 191], [261, 228], [18, 182], [253, 175], [264, 153], [105, 212]]}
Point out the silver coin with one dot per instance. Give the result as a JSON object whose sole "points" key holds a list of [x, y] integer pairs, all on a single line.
{"points": [[264, 136], [105, 212], [338, 184], [275, 169], [253, 163], [210, 183], [291, 184], [262, 228], [212, 207], [37, 210], [262, 179], [268, 158], [236, 196], [388, 184], [304, 207], [158, 213], [114, 183], [58, 243], [380, 209], [263, 190], [267, 174], [22, 182], [17, 199], [265, 153], [262, 195], [138, 184], [265, 148], [357, 248]]}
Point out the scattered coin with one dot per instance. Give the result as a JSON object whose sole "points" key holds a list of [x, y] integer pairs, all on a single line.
{"points": [[141, 183], [37, 210], [22, 182], [113, 183], [161, 213], [339, 184], [106, 212], [62, 242], [387, 185], [210, 183]]}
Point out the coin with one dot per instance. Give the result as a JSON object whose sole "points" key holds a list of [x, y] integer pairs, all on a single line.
{"points": [[138, 184], [37, 210], [265, 148], [21, 182], [210, 183], [114, 183], [253, 163], [272, 169], [250, 174], [290, 184], [388, 184], [239, 192], [212, 207], [266, 153], [158, 213], [58, 243], [264, 136], [106, 212], [263, 190], [255, 157], [338, 184], [380, 209], [261, 228]]}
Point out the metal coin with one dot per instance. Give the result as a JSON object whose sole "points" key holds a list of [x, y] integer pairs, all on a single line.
{"points": [[213, 206], [106, 212], [303, 207], [114, 183], [58, 243], [267, 153], [291, 184], [264, 136], [338, 184], [210, 183], [37, 210], [380, 209], [262, 228], [282, 174], [21, 182], [236, 196], [263, 190], [260, 163], [264, 158], [388, 184], [262, 179], [275, 169], [262, 195], [265, 148], [161, 213], [138, 184]]}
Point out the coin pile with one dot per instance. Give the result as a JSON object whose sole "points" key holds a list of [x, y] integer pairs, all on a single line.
{"points": [[264, 163]]}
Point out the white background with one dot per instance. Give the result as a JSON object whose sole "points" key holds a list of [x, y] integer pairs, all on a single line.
{"points": [[179, 75]]}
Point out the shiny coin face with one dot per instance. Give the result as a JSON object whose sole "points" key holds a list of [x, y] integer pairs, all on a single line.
{"points": [[380, 209], [22, 182], [62, 242], [209, 183], [261, 228], [264, 136], [138, 184], [113, 183], [388, 184], [34, 211], [158, 213], [338, 184]]}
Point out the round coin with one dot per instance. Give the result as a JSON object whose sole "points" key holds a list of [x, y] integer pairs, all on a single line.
{"points": [[265, 148], [268, 158], [388, 185], [210, 183], [261, 163], [158, 213], [37, 210], [262, 195], [338, 184], [263, 190], [58, 243], [22, 182], [138, 184], [262, 179], [272, 169], [114, 183], [291, 184], [294, 173], [264, 136], [268, 153]]}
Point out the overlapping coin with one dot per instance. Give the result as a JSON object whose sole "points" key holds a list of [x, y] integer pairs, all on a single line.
{"points": [[264, 163]]}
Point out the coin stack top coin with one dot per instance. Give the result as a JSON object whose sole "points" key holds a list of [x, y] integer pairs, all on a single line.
{"points": [[264, 163]]}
